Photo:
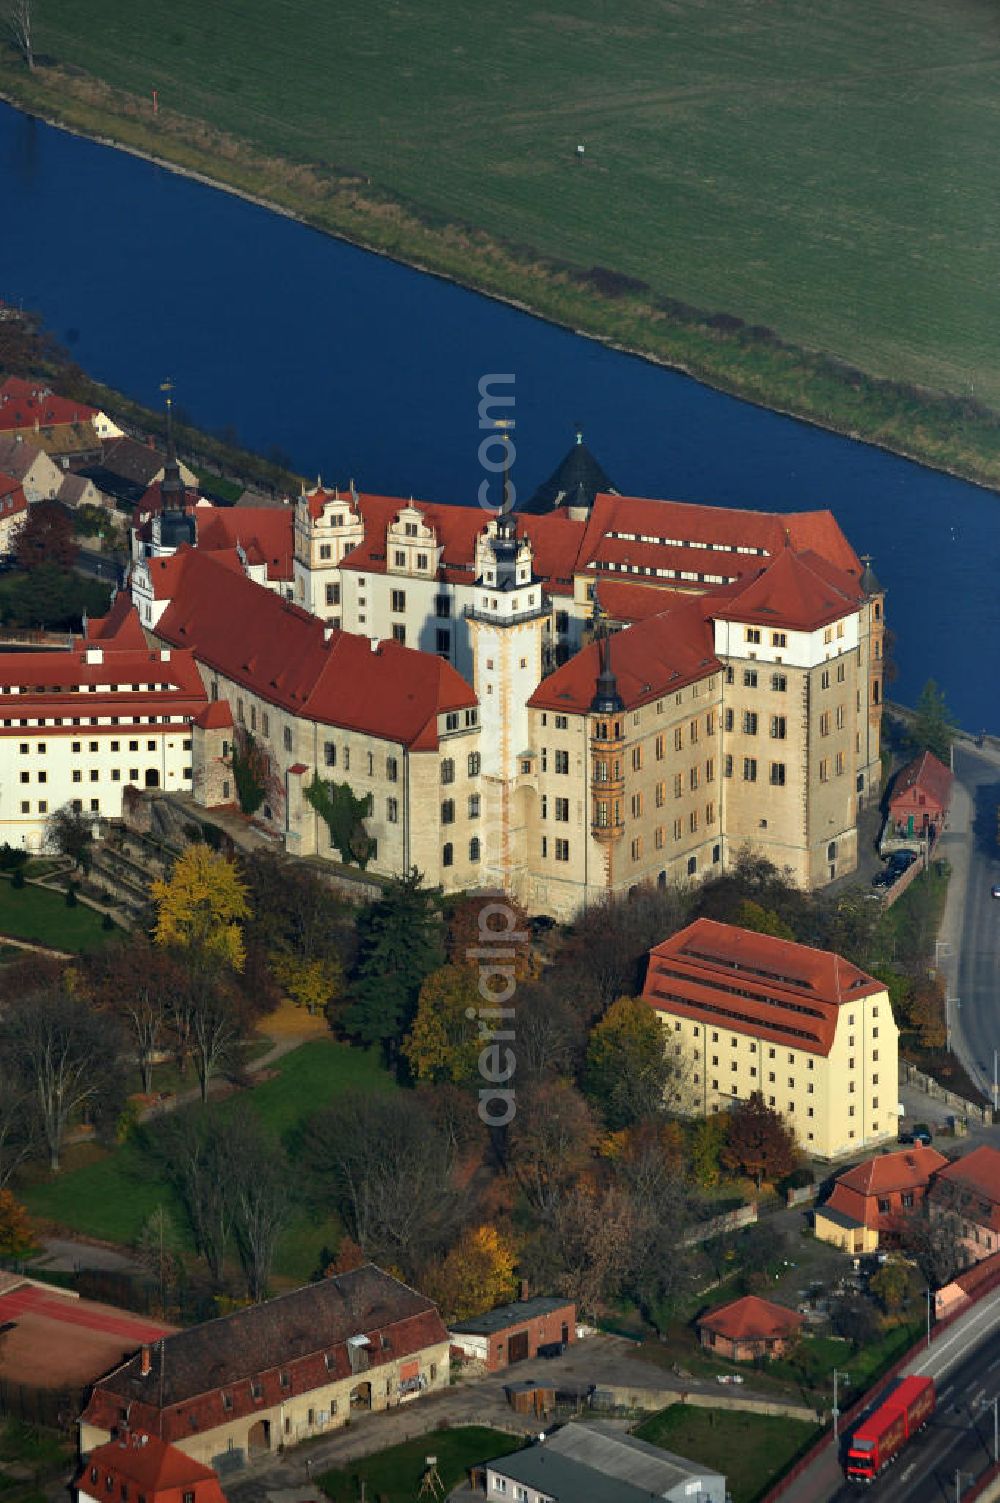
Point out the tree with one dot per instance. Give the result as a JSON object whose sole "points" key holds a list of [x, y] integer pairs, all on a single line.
{"points": [[754, 916], [933, 727], [65, 1054], [856, 1319], [46, 537], [934, 1239], [389, 1173], [20, 26], [707, 1143], [156, 1249], [758, 1142], [16, 1237], [444, 1042], [476, 1275], [69, 833], [136, 983], [400, 944], [216, 1025], [651, 1172], [592, 1234], [261, 1203], [550, 1141], [195, 1148], [201, 908], [891, 1285], [627, 1068]]}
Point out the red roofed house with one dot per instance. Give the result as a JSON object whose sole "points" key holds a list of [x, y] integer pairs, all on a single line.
{"points": [[27, 404], [273, 1374], [746, 1013], [970, 1186], [140, 1468], [921, 796], [79, 726], [749, 1328], [864, 1208]]}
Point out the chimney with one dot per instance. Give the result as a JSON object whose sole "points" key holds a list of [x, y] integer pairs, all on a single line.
{"points": [[374, 642], [524, 1289], [145, 1365]]}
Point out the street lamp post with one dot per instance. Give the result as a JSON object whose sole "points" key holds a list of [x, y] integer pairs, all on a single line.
{"points": [[928, 1293], [837, 1374]]}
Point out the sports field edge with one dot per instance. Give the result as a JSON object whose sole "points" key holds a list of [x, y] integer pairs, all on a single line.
{"points": [[956, 435]]}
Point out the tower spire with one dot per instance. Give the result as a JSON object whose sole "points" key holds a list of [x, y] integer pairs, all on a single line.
{"points": [[606, 700]]}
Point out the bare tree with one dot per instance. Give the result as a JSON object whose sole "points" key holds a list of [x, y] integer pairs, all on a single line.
{"points": [[215, 1030], [261, 1204], [195, 1147], [20, 28], [550, 1141], [389, 1169], [60, 1050], [18, 1127]]}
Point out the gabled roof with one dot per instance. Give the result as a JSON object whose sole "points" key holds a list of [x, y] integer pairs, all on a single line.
{"points": [[594, 1463], [23, 403], [907, 1169], [752, 1319], [302, 1336], [655, 657], [265, 533], [752, 983], [798, 591], [120, 626], [978, 1172], [216, 716], [17, 455], [926, 775], [286, 656], [152, 1466]]}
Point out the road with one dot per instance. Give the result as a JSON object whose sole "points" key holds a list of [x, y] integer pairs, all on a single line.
{"points": [[959, 1438], [970, 956], [964, 1362]]}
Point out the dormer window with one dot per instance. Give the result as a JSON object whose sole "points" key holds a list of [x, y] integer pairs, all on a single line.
{"points": [[337, 519]]}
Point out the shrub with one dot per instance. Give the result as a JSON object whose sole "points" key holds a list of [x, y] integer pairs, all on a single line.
{"points": [[18, 879], [71, 899]]}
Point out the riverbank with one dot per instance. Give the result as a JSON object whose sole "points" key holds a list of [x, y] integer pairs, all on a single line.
{"points": [[957, 435]]}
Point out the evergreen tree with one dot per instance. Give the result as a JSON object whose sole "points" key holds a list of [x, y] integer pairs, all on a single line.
{"points": [[401, 943], [934, 727]]}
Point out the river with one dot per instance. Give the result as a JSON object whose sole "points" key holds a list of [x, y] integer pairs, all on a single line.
{"points": [[356, 367]]}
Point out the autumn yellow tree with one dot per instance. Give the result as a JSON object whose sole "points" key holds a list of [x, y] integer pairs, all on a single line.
{"points": [[444, 1042], [16, 1237], [312, 984], [201, 908], [476, 1275], [627, 1069]]}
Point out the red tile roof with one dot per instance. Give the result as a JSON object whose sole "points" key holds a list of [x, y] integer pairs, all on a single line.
{"points": [[752, 1319], [265, 533], [24, 403], [924, 775], [799, 591], [652, 658], [130, 682], [301, 1336], [151, 1466], [11, 491], [857, 1192], [755, 984], [216, 716], [120, 626], [286, 656], [975, 1180]]}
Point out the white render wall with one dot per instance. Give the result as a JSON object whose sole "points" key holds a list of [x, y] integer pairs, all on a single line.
{"points": [[800, 649], [47, 767]]}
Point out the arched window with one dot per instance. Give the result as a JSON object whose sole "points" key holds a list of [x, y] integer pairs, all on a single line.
{"points": [[447, 855]]}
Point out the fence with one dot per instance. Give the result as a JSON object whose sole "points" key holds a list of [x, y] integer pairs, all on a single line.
{"points": [[718, 1226]]}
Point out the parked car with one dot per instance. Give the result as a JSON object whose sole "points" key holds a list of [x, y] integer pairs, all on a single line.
{"points": [[902, 860], [551, 1349], [995, 890], [922, 1134], [885, 878]]}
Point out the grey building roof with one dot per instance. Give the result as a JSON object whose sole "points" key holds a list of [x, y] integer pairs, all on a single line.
{"points": [[577, 480], [510, 1315], [839, 1218], [597, 1463]]}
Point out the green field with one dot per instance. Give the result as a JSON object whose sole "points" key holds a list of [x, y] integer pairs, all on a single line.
{"points": [[394, 1476], [109, 1195], [825, 171], [34, 913], [750, 1449]]}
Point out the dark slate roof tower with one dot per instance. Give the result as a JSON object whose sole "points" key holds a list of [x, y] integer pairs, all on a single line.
{"points": [[573, 486], [175, 525]]}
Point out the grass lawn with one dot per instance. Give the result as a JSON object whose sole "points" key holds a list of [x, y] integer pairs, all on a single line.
{"points": [[36, 914], [751, 1449], [393, 1476], [828, 172], [109, 1194]]}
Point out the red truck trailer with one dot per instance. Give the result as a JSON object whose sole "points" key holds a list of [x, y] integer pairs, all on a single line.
{"points": [[880, 1438]]}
